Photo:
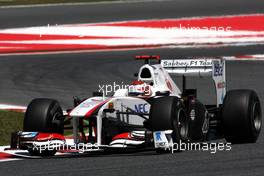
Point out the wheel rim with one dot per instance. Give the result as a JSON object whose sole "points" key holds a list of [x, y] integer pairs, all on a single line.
{"points": [[257, 116], [56, 115], [182, 124], [56, 121]]}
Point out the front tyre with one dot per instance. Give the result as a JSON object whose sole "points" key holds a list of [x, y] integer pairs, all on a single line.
{"points": [[43, 115], [242, 117], [168, 113]]}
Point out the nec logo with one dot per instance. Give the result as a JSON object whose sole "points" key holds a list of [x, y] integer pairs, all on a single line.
{"points": [[141, 108], [218, 70]]}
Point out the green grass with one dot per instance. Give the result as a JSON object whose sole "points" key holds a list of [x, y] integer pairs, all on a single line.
{"points": [[9, 122], [13, 121], [28, 2]]}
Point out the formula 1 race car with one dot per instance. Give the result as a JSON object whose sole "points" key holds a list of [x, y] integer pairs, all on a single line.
{"points": [[152, 112]]}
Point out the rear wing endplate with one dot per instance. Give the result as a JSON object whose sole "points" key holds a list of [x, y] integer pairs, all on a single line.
{"points": [[214, 67]]}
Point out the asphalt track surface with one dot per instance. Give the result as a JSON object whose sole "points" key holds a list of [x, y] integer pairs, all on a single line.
{"points": [[63, 75], [13, 17]]}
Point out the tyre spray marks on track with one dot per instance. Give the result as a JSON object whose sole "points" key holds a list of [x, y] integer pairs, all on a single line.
{"points": [[185, 32]]}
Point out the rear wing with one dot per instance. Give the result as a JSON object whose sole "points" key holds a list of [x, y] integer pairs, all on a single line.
{"points": [[214, 67], [188, 67], [147, 58]]}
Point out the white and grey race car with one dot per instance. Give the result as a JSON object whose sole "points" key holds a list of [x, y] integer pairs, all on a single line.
{"points": [[150, 113]]}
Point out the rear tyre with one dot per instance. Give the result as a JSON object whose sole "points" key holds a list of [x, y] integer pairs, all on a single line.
{"points": [[168, 113], [242, 117], [43, 115]]}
